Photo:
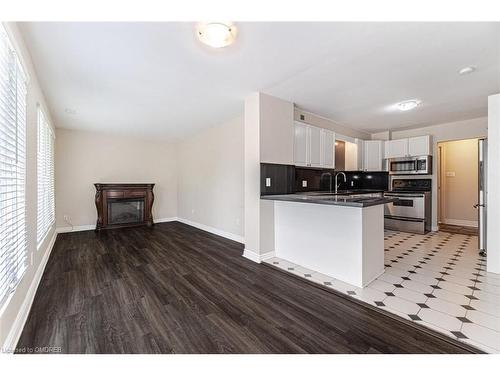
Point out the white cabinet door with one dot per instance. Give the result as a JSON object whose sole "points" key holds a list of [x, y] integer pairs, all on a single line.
{"points": [[301, 148], [418, 146], [396, 148], [327, 148], [373, 155], [314, 146]]}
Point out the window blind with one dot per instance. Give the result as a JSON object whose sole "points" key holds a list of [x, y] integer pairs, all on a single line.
{"points": [[45, 171], [13, 245]]}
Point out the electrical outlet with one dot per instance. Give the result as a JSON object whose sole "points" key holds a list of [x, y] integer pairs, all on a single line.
{"points": [[192, 210], [268, 181], [67, 219], [352, 183], [304, 183]]}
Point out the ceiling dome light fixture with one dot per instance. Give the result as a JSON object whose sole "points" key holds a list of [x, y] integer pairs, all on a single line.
{"points": [[408, 104], [216, 34], [467, 70]]}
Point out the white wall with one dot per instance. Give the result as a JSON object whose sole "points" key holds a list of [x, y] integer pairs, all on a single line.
{"points": [[493, 199], [475, 128], [210, 178], [14, 312], [84, 158]]}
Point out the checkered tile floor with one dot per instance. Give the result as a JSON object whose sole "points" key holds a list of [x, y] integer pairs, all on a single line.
{"points": [[437, 280]]}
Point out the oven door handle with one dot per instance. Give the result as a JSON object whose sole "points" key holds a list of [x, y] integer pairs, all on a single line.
{"points": [[403, 218]]}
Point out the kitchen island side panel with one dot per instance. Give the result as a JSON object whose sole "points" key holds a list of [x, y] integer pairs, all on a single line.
{"points": [[324, 238]]}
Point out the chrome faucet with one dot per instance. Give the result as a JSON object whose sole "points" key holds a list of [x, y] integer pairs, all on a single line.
{"points": [[336, 184], [331, 178]]}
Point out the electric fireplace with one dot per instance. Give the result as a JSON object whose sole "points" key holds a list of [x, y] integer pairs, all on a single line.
{"points": [[123, 205]]}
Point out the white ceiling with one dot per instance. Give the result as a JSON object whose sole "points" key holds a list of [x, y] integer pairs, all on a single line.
{"points": [[156, 79]]}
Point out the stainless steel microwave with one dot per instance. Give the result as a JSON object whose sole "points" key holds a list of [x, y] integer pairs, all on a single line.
{"points": [[411, 165]]}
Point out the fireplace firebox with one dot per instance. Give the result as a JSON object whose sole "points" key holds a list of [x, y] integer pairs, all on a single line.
{"points": [[123, 205]]}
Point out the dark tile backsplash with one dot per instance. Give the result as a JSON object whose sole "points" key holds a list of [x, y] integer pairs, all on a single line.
{"points": [[315, 179], [282, 179], [287, 179]]}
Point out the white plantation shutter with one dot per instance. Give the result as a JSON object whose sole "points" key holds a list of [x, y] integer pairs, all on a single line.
{"points": [[45, 171], [13, 246]]}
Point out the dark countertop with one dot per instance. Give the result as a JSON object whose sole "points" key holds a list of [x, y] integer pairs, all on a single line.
{"points": [[344, 198]]}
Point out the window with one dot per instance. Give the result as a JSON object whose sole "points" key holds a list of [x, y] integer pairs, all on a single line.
{"points": [[45, 170], [13, 245]]}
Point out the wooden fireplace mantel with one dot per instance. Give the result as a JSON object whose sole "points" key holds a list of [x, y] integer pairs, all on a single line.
{"points": [[106, 192]]}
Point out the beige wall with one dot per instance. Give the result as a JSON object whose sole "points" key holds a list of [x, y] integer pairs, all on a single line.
{"points": [[84, 158], [277, 132], [451, 131], [12, 314], [459, 177], [210, 178]]}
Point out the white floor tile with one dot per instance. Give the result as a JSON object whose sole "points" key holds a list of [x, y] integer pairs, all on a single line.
{"points": [[452, 287], [482, 335], [391, 279], [485, 320], [486, 307], [417, 287], [453, 297], [446, 307], [459, 280], [382, 286], [487, 297], [410, 295], [341, 286], [424, 279], [370, 294], [480, 346], [401, 305], [440, 319], [493, 289]]}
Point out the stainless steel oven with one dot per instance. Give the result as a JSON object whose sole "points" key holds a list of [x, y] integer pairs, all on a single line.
{"points": [[411, 209], [411, 165]]}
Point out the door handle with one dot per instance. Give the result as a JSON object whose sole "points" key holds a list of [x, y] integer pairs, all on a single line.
{"points": [[478, 205]]}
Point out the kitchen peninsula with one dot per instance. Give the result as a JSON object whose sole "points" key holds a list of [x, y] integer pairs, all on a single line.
{"points": [[341, 235]]}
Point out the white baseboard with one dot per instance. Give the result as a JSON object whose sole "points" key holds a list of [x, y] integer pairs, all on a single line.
{"points": [[18, 325], [77, 228], [251, 255], [255, 257], [165, 219], [213, 230], [464, 223]]}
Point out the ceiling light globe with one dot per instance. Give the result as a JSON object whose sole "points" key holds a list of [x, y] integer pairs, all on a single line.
{"points": [[216, 34]]}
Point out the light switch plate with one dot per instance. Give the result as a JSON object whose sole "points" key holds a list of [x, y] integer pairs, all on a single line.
{"points": [[304, 183], [268, 181]]}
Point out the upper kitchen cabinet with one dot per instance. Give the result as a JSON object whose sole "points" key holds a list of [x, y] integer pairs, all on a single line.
{"points": [[373, 155], [396, 148], [314, 147], [301, 147], [414, 146], [418, 146], [327, 148]]}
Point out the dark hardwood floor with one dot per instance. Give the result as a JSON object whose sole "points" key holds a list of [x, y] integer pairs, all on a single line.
{"points": [[176, 289]]}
